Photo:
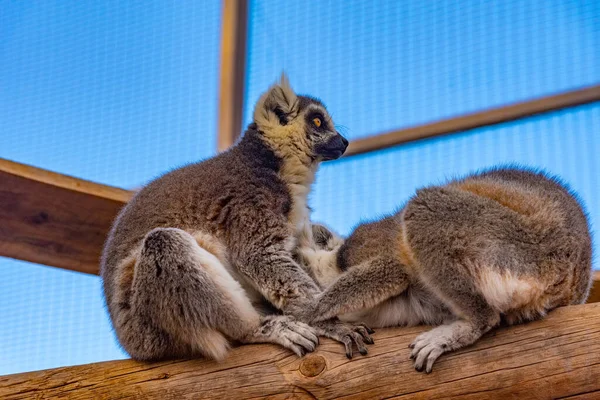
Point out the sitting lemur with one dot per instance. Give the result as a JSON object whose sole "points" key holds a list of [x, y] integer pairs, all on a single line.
{"points": [[504, 244], [204, 254]]}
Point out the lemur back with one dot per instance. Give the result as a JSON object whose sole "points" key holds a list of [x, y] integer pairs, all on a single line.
{"points": [[506, 243]]}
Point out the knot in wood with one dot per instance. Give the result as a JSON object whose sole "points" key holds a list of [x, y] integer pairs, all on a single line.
{"points": [[312, 365]]}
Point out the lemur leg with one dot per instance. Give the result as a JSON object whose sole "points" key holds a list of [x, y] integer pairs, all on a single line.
{"points": [[476, 318], [437, 227], [362, 287], [184, 294]]}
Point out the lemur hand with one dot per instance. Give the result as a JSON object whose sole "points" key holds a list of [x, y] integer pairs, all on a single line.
{"points": [[346, 333]]}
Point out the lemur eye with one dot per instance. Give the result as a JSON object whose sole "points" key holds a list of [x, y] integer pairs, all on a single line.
{"points": [[317, 121]]}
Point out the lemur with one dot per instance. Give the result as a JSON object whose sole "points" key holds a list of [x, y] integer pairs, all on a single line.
{"points": [[191, 259], [504, 244]]}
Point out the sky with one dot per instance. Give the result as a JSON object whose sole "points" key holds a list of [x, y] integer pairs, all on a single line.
{"points": [[120, 92]]}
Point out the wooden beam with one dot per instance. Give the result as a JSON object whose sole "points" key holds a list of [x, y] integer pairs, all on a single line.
{"points": [[54, 219], [553, 358], [595, 291], [233, 68], [476, 120]]}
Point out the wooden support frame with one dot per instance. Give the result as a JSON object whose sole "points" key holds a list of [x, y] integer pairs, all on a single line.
{"points": [[557, 357], [54, 219], [476, 120], [233, 70]]}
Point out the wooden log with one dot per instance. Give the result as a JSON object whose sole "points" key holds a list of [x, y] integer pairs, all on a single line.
{"points": [[53, 219], [234, 29], [492, 116], [557, 357], [595, 291]]}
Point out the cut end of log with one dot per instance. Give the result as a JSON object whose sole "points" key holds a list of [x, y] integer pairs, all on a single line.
{"points": [[312, 365]]}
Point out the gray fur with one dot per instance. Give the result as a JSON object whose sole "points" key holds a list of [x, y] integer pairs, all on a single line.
{"points": [[505, 244], [193, 258]]}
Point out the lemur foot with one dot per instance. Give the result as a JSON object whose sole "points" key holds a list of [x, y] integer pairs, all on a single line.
{"points": [[428, 346], [287, 332], [347, 334]]}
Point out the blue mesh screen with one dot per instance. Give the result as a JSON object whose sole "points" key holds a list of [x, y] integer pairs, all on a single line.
{"points": [[389, 64], [111, 91], [51, 318]]}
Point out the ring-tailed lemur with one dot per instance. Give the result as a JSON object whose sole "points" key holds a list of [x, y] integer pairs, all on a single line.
{"points": [[192, 256], [506, 243]]}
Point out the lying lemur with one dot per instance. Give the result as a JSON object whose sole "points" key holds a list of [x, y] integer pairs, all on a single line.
{"points": [[505, 244], [203, 255]]}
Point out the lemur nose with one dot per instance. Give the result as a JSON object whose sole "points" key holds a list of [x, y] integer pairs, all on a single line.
{"points": [[345, 141]]}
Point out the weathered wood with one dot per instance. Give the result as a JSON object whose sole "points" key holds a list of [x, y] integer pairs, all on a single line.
{"points": [[595, 291], [554, 358], [233, 71], [475, 120], [53, 219]]}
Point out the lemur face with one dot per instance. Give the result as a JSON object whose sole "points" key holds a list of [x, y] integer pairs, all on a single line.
{"points": [[327, 143], [297, 126]]}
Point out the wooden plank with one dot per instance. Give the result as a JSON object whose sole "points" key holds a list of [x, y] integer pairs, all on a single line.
{"points": [[595, 291], [233, 68], [64, 181], [53, 219], [476, 120], [553, 358]]}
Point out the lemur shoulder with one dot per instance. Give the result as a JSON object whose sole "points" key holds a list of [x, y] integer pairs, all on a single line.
{"points": [[202, 255], [505, 244]]}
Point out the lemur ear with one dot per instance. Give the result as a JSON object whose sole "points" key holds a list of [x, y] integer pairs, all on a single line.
{"points": [[325, 238], [278, 105]]}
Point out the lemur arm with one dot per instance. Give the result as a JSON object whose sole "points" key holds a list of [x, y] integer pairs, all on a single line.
{"points": [[361, 287], [264, 257], [266, 260]]}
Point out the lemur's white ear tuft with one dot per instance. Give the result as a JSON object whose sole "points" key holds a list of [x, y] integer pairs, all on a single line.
{"points": [[278, 105], [284, 82]]}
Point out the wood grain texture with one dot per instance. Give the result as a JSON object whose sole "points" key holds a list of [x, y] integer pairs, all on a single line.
{"points": [[53, 219], [558, 357], [65, 181], [233, 71], [475, 120]]}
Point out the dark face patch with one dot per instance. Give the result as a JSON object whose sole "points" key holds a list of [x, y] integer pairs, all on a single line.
{"points": [[333, 148], [324, 125], [304, 101], [328, 144]]}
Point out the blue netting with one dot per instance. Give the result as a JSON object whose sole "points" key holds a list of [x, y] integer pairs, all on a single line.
{"points": [[385, 65], [115, 92]]}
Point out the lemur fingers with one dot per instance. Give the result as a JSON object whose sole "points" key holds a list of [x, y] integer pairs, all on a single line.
{"points": [[287, 332], [346, 333], [429, 346]]}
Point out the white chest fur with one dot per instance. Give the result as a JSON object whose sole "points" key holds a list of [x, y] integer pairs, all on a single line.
{"points": [[299, 178]]}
